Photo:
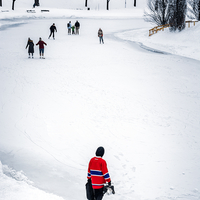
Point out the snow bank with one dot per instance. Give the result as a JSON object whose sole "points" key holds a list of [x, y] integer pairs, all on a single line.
{"points": [[22, 13], [53, 110], [15, 185], [185, 43]]}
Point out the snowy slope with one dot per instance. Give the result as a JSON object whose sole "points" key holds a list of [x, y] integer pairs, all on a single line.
{"points": [[143, 107], [185, 43]]}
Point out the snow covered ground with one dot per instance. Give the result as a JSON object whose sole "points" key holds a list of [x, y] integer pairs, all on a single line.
{"points": [[142, 106]]}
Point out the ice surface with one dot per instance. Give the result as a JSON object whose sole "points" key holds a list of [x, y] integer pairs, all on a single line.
{"points": [[143, 107]]}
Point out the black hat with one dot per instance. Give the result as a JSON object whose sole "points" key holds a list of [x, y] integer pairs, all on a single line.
{"points": [[100, 151]]}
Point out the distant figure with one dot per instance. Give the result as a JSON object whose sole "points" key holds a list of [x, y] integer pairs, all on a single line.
{"points": [[69, 26], [41, 47], [30, 46], [73, 28], [77, 25], [100, 35], [52, 30]]}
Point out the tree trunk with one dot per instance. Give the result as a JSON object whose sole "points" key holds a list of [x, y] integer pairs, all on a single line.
{"points": [[13, 4], [199, 10], [108, 4], [37, 2], [134, 3], [85, 3], [0, 2]]}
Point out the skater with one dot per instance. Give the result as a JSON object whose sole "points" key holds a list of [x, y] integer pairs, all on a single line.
{"points": [[30, 46], [69, 26], [77, 25], [100, 35], [41, 47], [98, 174], [52, 30]]}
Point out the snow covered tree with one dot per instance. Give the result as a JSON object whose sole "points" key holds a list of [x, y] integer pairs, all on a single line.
{"points": [[194, 8], [108, 4], [159, 12], [178, 9]]}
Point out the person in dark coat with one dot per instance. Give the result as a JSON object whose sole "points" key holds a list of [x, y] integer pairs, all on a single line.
{"points": [[77, 25], [52, 30], [30, 46]]}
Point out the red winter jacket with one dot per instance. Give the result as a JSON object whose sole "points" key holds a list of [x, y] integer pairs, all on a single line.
{"points": [[98, 172], [41, 44]]}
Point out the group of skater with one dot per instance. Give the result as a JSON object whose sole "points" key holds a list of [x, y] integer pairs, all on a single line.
{"points": [[72, 29]]}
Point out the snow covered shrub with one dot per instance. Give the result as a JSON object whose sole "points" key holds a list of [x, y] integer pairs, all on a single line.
{"points": [[194, 9], [158, 12]]}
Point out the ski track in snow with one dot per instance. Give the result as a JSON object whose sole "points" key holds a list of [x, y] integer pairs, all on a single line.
{"points": [[134, 106]]}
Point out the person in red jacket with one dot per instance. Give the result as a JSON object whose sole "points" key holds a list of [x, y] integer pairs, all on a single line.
{"points": [[41, 47], [98, 173]]}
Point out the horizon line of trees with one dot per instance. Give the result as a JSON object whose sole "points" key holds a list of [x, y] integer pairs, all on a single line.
{"points": [[107, 3], [36, 3], [172, 12]]}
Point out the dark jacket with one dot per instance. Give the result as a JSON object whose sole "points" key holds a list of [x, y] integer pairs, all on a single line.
{"points": [[53, 28], [100, 33], [30, 46], [77, 24]]}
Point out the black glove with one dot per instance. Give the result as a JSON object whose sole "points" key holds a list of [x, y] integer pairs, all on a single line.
{"points": [[109, 183], [112, 188]]}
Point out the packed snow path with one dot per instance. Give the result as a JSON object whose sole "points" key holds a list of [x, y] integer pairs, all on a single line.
{"points": [[141, 106]]}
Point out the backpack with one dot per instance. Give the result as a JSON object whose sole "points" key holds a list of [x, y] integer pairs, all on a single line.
{"points": [[68, 25]]}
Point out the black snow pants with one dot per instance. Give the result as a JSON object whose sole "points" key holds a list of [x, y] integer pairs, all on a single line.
{"points": [[98, 194], [52, 32]]}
